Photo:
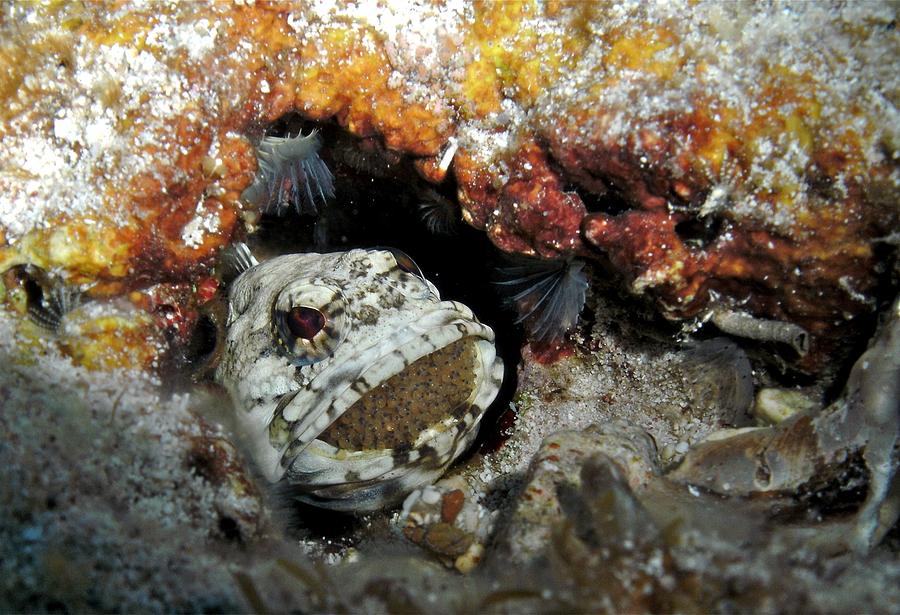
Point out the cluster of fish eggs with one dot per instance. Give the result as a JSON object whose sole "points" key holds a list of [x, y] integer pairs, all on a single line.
{"points": [[395, 412]]}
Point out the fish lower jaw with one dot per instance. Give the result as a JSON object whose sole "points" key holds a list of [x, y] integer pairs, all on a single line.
{"points": [[340, 476]]}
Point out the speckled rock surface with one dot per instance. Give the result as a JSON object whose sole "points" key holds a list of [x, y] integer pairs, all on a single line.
{"points": [[115, 496], [161, 513], [556, 470]]}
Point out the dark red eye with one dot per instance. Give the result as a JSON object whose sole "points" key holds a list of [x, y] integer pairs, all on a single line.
{"points": [[304, 322]]}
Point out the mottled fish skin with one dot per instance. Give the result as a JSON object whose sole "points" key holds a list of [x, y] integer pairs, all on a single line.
{"points": [[380, 317]]}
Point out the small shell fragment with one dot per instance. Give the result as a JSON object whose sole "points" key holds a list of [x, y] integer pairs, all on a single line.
{"points": [[774, 405]]}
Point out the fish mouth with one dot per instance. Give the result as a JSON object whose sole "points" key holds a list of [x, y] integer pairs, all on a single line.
{"points": [[424, 385], [429, 391]]}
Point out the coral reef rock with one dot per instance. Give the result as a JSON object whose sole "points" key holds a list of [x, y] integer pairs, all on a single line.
{"points": [[718, 156]]}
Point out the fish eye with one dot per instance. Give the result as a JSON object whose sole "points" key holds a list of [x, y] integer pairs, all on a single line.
{"points": [[309, 322], [406, 263], [305, 322]]}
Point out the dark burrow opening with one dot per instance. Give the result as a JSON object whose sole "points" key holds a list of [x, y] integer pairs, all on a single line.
{"points": [[381, 201]]}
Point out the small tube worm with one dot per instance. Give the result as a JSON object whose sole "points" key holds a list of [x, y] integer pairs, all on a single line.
{"points": [[742, 324], [449, 153]]}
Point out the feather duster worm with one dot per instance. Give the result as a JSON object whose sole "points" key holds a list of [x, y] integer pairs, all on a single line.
{"points": [[291, 173], [439, 214], [50, 309], [237, 258], [548, 295]]}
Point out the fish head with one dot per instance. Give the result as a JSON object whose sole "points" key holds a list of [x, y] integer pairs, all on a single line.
{"points": [[352, 381]]}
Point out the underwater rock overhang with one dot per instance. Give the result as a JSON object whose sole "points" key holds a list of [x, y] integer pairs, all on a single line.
{"points": [[713, 172]]}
